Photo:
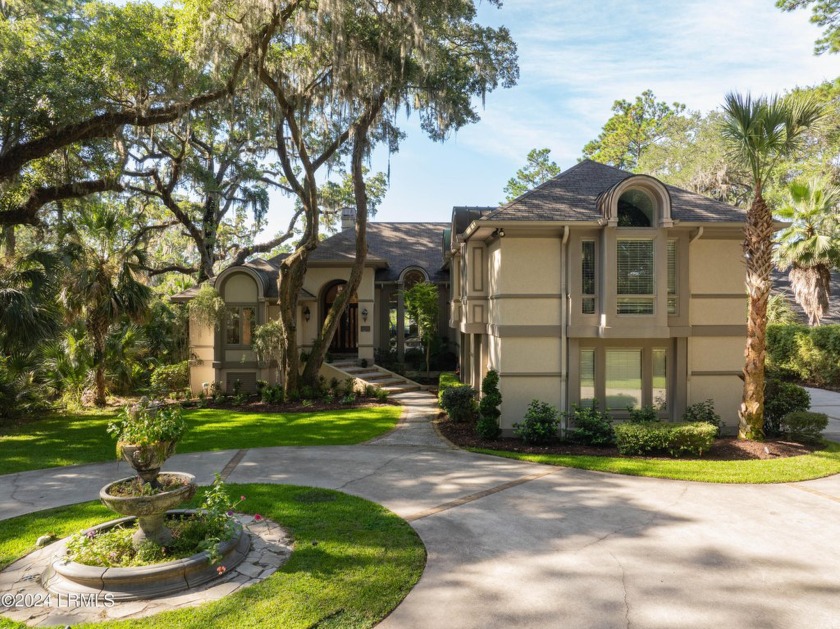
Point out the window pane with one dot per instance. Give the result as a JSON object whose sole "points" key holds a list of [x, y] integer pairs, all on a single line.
{"points": [[672, 277], [588, 267], [232, 327], [635, 305], [635, 209], [635, 267], [249, 321], [660, 378], [587, 376], [588, 305], [624, 378]]}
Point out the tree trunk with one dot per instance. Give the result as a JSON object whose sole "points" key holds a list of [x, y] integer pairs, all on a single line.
{"points": [[322, 343], [99, 368], [9, 242], [758, 245]]}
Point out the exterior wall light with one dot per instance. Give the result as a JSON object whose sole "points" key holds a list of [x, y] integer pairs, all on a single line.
{"points": [[306, 313], [364, 314]]}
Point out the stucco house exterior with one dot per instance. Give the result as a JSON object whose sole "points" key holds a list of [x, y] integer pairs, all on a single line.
{"points": [[597, 285]]}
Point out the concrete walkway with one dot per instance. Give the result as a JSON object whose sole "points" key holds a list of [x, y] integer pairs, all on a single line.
{"points": [[514, 544]]}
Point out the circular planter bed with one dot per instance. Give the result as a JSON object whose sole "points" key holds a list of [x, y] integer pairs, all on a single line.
{"points": [[124, 584]]}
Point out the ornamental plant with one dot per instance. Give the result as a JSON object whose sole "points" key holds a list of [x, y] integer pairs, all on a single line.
{"points": [[487, 426], [147, 423]]}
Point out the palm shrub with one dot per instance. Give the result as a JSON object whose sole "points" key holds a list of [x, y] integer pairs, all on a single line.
{"points": [[459, 403], [539, 424], [590, 426], [488, 408]]}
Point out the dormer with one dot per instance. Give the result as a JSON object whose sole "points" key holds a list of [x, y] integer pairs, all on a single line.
{"points": [[638, 201]]}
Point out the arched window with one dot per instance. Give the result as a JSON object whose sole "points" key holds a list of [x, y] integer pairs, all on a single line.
{"points": [[412, 277], [636, 209]]}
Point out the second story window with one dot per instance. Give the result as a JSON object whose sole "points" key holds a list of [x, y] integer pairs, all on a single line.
{"points": [[239, 328], [635, 277], [587, 277], [673, 303]]}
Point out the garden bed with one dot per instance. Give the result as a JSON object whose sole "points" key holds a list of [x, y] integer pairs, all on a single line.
{"points": [[724, 449]]}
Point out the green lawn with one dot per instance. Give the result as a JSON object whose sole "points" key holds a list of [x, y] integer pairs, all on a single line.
{"points": [[81, 438], [797, 468], [353, 561]]}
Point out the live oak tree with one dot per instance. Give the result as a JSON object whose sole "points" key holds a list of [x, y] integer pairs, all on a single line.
{"points": [[538, 169], [633, 128], [62, 113], [760, 132], [338, 73]]}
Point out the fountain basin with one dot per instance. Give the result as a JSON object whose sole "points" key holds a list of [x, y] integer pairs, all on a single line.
{"points": [[150, 509], [125, 584]]}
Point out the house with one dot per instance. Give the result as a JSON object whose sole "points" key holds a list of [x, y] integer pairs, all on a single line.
{"points": [[597, 285]]}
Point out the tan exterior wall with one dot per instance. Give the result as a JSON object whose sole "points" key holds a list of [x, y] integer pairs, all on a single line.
{"points": [[240, 288], [714, 368], [202, 339]]}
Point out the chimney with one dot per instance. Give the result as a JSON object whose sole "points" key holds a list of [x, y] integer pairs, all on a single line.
{"points": [[348, 217]]}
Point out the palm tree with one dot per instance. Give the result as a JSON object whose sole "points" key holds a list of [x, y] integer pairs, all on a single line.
{"points": [[810, 247], [760, 132], [102, 285], [28, 312]]}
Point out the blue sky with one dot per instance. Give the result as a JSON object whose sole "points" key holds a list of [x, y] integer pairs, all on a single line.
{"points": [[576, 59]]}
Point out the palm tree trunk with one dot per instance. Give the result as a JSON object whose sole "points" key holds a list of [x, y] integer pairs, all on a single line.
{"points": [[99, 368], [758, 246]]}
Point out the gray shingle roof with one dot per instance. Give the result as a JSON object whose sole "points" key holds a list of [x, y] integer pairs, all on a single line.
{"points": [[573, 196], [398, 245]]}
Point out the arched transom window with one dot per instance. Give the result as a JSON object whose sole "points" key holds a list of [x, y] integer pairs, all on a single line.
{"points": [[636, 209]]}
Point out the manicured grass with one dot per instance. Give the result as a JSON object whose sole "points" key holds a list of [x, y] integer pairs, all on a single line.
{"points": [[81, 438], [797, 468], [353, 561]]}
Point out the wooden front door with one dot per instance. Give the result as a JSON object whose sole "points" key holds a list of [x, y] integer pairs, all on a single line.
{"points": [[346, 337]]}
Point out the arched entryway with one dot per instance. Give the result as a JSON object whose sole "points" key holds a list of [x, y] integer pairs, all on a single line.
{"points": [[346, 337]]}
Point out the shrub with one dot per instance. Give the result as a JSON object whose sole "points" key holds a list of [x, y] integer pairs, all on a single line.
{"points": [[811, 354], [805, 426], [643, 415], [370, 390], [459, 403], [539, 425], [168, 378], [703, 412], [591, 426], [488, 408], [658, 437], [447, 380], [381, 395], [272, 394], [781, 398]]}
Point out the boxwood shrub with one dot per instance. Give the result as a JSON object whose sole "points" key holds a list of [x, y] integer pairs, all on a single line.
{"points": [[447, 380], [658, 438], [459, 403], [539, 424]]}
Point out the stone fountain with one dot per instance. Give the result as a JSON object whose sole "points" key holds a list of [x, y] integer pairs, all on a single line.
{"points": [[151, 506]]}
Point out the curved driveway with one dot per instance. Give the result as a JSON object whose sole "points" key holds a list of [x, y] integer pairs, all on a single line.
{"points": [[514, 544]]}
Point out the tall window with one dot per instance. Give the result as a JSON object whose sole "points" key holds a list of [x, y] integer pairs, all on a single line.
{"points": [[587, 376], [635, 277], [239, 328], [659, 368], [624, 378], [673, 304], [588, 276]]}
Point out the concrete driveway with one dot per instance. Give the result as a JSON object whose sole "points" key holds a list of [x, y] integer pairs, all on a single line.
{"points": [[514, 544]]}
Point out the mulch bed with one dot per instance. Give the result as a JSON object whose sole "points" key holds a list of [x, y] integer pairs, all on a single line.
{"points": [[723, 449]]}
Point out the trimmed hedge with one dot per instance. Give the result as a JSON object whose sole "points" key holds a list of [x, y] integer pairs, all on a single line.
{"points": [[447, 380], [805, 426], [804, 353], [658, 437]]}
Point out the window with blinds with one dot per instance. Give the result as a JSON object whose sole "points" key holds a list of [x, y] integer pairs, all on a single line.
{"points": [[587, 377], [673, 303], [588, 276], [635, 276]]}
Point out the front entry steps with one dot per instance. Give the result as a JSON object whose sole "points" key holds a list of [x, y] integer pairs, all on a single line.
{"points": [[377, 376]]}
